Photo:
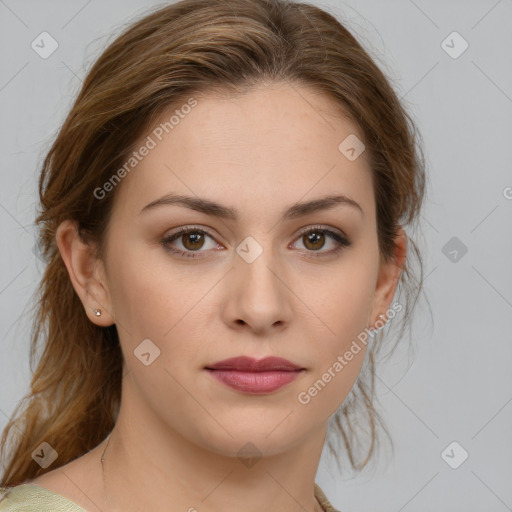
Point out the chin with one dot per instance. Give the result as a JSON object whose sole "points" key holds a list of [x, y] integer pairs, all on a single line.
{"points": [[256, 440]]}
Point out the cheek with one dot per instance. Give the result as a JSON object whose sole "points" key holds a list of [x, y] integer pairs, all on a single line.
{"points": [[140, 293], [151, 300], [341, 340], [345, 301], [340, 354]]}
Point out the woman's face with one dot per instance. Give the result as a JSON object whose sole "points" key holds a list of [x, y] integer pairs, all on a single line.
{"points": [[256, 170]]}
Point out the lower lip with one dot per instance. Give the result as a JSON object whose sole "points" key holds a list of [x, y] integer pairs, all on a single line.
{"points": [[255, 382]]}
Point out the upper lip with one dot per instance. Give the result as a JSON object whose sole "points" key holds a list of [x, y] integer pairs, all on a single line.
{"points": [[249, 364]]}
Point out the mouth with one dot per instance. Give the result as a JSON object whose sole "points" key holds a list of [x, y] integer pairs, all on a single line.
{"points": [[253, 376]]}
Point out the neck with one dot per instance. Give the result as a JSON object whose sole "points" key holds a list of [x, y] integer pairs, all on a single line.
{"points": [[163, 470]]}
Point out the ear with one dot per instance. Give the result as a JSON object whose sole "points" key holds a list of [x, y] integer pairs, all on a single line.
{"points": [[388, 278], [87, 273]]}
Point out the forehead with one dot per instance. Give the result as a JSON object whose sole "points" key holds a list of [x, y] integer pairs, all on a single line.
{"points": [[271, 145]]}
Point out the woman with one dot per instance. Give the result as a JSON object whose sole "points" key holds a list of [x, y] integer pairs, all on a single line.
{"points": [[222, 217]]}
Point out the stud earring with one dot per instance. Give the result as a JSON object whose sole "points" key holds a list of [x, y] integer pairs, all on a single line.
{"points": [[374, 330], [97, 312]]}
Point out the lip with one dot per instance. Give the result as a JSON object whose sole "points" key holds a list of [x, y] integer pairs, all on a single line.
{"points": [[254, 376], [249, 364]]}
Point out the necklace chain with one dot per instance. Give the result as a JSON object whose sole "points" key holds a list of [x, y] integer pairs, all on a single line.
{"points": [[103, 468], [103, 454]]}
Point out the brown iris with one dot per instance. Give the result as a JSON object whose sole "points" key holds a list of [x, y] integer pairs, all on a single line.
{"points": [[197, 240], [314, 238]]}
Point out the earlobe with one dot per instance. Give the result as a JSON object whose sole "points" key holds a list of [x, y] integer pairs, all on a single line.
{"points": [[85, 273]]}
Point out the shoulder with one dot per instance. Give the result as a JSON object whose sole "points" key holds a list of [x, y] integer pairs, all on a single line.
{"points": [[57, 490], [29, 497]]}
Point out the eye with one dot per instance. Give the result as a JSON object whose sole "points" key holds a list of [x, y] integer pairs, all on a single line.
{"points": [[315, 238], [193, 239]]}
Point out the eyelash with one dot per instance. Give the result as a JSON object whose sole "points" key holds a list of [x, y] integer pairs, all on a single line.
{"points": [[333, 235]]}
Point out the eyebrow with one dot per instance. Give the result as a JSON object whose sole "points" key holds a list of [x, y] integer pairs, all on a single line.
{"points": [[218, 210]]}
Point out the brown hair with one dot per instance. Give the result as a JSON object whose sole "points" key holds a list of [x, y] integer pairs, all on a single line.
{"points": [[186, 48]]}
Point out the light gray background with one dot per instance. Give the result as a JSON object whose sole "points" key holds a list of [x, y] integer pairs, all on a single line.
{"points": [[459, 386]]}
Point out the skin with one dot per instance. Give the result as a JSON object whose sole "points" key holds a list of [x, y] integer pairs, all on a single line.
{"points": [[175, 443]]}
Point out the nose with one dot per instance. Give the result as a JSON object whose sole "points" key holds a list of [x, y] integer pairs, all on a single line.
{"points": [[259, 296]]}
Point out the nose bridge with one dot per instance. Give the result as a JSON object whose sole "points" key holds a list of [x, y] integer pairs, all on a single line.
{"points": [[261, 298], [256, 267]]}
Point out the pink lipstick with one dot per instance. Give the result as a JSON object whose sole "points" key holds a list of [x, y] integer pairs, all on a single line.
{"points": [[255, 376]]}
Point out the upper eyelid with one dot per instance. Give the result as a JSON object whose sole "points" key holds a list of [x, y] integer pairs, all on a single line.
{"points": [[188, 229]]}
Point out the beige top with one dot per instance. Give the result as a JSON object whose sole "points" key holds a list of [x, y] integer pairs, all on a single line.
{"points": [[34, 498]]}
